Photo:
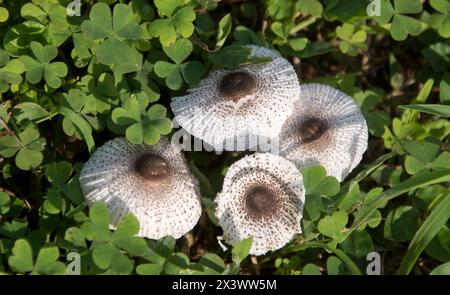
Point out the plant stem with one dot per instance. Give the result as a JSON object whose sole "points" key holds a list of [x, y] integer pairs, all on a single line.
{"points": [[10, 132], [303, 24]]}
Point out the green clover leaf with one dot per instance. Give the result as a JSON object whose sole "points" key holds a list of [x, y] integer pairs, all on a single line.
{"points": [[334, 226], [191, 71], [231, 57], [241, 250], [46, 261], [313, 7], [10, 71], [402, 25], [58, 174], [179, 22], [140, 84], [87, 102], [113, 29], [27, 147], [29, 111], [281, 30], [5, 203], [22, 257], [424, 155], [401, 223], [17, 40], [51, 14], [112, 52], [351, 41], [81, 124], [143, 127], [107, 249], [120, 24], [441, 21], [100, 92], [317, 182], [41, 66], [4, 14], [97, 228]]}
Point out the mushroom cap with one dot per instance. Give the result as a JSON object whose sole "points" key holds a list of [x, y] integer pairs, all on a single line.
{"points": [[262, 197], [152, 182], [230, 109], [326, 128]]}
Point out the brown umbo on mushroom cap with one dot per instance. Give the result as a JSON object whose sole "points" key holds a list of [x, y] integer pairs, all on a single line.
{"points": [[262, 197], [153, 182], [326, 128], [230, 108], [236, 85]]}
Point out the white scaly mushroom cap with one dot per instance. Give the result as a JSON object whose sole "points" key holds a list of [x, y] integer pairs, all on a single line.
{"points": [[254, 101], [262, 197], [152, 182], [326, 128]]}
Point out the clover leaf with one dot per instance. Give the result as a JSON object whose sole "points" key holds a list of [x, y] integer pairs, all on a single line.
{"points": [[441, 21], [179, 22], [4, 14], [233, 56], [241, 250], [376, 119], [174, 73], [143, 126], [351, 41], [317, 182], [49, 13], [140, 84], [334, 226], [10, 71], [401, 25], [41, 67], [424, 155], [27, 147], [5, 203], [113, 29], [17, 40], [107, 249], [281, 30], [120, 24], [46, 261], [401, 223], [313, 7], [100, 93], [29, 111], [58, 174]]}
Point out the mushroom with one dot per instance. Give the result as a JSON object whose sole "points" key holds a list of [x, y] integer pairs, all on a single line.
{"points": [[262, 197], [326, 128], [230, 110], [152, 182]]}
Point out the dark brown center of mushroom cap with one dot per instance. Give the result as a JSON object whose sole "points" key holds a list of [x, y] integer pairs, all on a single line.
{"points": [[259, 201], [233, 86], [152, 167], [312, 129]]}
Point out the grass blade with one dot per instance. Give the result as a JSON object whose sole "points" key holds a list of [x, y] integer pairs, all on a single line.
{"points": [[81, 124], [377, 163], [434, 109], [429, 229], [339, 253], [413, 183]]}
